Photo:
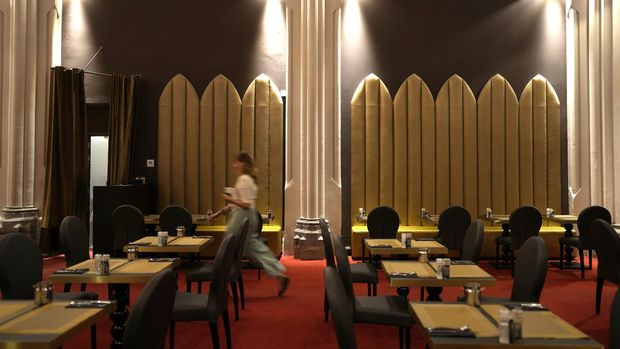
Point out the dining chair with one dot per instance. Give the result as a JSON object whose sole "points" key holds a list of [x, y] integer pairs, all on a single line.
{"points": [[199, 307], [472, 243], [360, 272], [128, 225], [382, 223], [173, 216], [524, 222], [452, 224], [584, 240], [614, 322], [607, 245], [200, 272], [341, 311], [150, 315], [74, 244], [380, 310]]}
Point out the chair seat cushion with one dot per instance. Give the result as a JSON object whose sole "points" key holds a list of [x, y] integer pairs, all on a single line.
{"points": [[199, 272], [364, 273], [385, 310], [73, 296], [570, 241], [504, 240], [189, 307]]}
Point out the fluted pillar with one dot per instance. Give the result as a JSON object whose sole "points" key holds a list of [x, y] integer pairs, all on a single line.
{"points": [[313, 185]]}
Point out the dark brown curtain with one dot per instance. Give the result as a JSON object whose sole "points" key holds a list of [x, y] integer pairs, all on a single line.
{"points": [[123, 115], [66, 159]]}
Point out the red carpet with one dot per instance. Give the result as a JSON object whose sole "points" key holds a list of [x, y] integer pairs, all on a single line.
{"points": [[296, 320]]}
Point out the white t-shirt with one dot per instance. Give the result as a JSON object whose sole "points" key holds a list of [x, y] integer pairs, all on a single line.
{"points": [[246, 190]]}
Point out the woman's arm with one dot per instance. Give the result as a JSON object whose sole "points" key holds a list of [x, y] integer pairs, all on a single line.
{"points": [[234, 201]]}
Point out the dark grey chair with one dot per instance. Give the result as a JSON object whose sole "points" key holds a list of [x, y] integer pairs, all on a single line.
{"points": [[382, 223], [172, 217], [149, 318], [607, 245], [74, 244], [380, 310], [200, 272], [341, 311], [472, 243], [360, 272], [614, 322], [128, 225], [524, 222], [453, 222], [584, 240], [198, 307]]}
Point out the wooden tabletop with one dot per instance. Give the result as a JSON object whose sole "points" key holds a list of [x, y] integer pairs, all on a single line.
{"points": [[541, 329], [122, 271], [427, 277], [153, 219], [432, 219], [562, 218], [496, 218], [185, 244], [395, 246], [26, 326]]}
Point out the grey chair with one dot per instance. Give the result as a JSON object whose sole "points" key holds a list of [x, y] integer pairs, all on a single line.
{"points": [[607, 245], [584, 240], [614, 322], [200, 272], [198, 307], [472, 243], [128, 225], [380, 310], [382, 223], [74, 244], [341, 311], [452, 224], [524, 222], [149, 318], [360, 272], [173, 216]]}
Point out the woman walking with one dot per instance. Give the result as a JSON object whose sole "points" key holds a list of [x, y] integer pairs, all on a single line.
{"points": [[242, 203]]}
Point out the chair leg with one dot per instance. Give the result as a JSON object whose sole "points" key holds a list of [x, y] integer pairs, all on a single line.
{"points": [[188, 286], [172, 323], [199, 286], [214, 335], [233, 287], [400, 337], [583, 273], [561, 257], [590, 259], [369, 289], [325, 306], [227, 329], [241, 291], [93, 336], [67, 288], [82, 287], [407, 337], [374, 289], [599, 293]]}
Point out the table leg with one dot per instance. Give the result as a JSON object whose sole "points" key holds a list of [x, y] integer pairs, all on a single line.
{"points": [[568, 250], [120, 293], [434, 293], [504, 261], [403, 291]]}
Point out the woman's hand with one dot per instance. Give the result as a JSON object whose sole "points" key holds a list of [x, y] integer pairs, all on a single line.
{"points": [[227, 198]]}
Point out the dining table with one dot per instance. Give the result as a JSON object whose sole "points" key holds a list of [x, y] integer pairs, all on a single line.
{"points": [[176, 244], [24, 325], [122, 272], [396, 247]]}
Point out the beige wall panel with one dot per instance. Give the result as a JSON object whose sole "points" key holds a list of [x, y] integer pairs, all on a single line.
{"points": [[261, 140], [372, 141], [276, 154], [180, 95], [526, 158], [456, 109], [512, 148], [358, 150], [247, 119], [402, 144], [484, 147], [470, 152], [554, 165], [386, 148], [220, 142], [498, 145], [234, 127], [192, 156], [206, 192], [539, 130], [428, 165], [442, 143], [164, 144]]}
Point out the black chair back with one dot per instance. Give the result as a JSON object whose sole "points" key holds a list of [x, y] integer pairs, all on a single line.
{"points": [[128, 225], [21, 266], [530, 271], [614, 322], [472, 243], [525, 222], [607, 246], [584, 224], [259, 226], [241, 234], [453, 222], [149, 318], [344, 270], [327, 244], [218, 301], [172, 217], [74, 240], [383, 223], [341, 312]]}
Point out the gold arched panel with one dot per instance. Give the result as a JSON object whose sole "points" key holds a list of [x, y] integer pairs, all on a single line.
{"points": [[456, 146], [262, 132], [220, 117], [498, 152], [414, 150], [372, 146], [177, 147], [539, 137]]}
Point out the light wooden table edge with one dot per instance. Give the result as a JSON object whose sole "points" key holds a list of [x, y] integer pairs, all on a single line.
{"points": [[125, 278], [434, 282]]}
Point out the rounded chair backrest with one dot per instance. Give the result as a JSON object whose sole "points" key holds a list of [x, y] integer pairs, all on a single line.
{"points": [[614, 322], [607, 246], [453, 222], [128, 225], [472, 243], [341, 313], [217, 301], [259, 225], [150, 316], [344, 270], [21, 266], [530, 271], [74, 240], [383, 223], [241, 233], [172, 217], [525, 222], [584, 223], [327, 244]]}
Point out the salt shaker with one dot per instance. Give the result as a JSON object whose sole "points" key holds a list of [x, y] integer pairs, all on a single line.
{"points": [[439, 267], [423, 258], [105, 264], [98, 264], [489, 213], [162, 238], [408, 240], [180, 231], [504, 326], [550, 212], [446, 268], [516, 326], [43, 293]]}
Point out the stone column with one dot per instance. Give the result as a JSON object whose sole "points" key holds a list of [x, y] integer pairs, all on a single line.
{"points": [[313, 185]]}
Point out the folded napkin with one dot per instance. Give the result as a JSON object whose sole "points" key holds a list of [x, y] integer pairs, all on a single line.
{"points": [[424, 239], [88, 304], [463, 332], [527, 306], [381, 246], [462, 263], [162, 259], [135, 243], [201, 237], [71, 271], [404, 275]]}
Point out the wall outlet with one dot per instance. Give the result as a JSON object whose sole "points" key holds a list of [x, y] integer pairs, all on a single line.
{"points": [[150, 162]]}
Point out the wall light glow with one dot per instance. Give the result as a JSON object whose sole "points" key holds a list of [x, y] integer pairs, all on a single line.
{"points": [[353, 26], [273, 26], [554, 13], [76, 16]]}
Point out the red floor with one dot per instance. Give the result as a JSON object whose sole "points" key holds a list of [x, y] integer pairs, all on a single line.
{"points": [[296, 320]]}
